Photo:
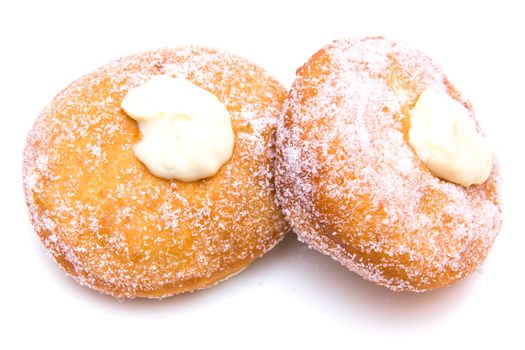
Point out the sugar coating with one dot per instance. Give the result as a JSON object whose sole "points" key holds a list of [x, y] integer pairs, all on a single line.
{"points": [[352, 187], [117, 228]]}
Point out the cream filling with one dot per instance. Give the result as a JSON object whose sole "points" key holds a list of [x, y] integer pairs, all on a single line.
{"points": [[446, 139], [186, 131]]}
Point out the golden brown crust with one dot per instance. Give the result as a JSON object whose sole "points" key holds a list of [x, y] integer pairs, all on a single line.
{"points": [[353, 188], [115, 227]]}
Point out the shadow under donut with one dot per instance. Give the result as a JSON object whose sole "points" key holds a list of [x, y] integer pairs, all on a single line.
{"points": [[309, 278]]}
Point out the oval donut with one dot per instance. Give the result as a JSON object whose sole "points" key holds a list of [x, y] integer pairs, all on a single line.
{"points": [[111, 224], [354, 189]]}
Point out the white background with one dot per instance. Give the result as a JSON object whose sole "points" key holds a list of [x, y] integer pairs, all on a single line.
{"points": [[292, 296]]}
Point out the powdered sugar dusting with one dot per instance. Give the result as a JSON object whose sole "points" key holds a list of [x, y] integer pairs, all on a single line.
{"points": [[353, 188], [119, 229]]}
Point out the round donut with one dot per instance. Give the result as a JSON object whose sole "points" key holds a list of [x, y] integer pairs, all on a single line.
{"points": [[353, 188], [111, 224]]}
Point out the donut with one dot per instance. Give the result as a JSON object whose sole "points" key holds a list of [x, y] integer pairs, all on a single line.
{"points": [[353, 188], [117, 228]]}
